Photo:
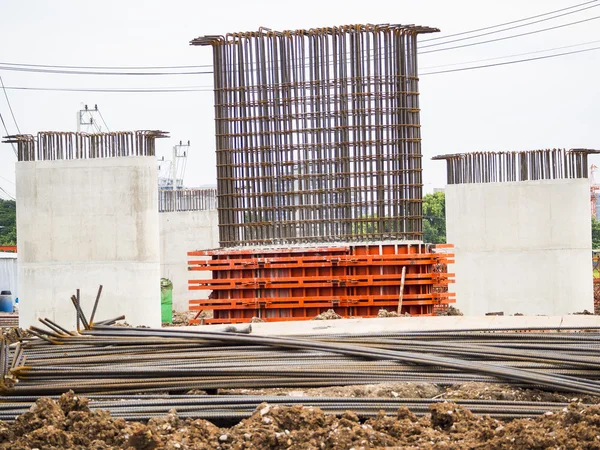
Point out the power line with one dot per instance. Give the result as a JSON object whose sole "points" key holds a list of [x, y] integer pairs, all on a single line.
{"points": [[10, 107], [103, 121], [124, 90], [512, 36], [7, 133], [36, 68], [509, 28], [507, 23], [8, 181], [80, 72], [209, 89], [10, 197], [510, 56], [109, 67], [210, 65], [511, 62], [32, 67]]}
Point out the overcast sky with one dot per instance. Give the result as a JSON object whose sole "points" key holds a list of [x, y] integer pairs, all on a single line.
{"points": [[547, 103]]}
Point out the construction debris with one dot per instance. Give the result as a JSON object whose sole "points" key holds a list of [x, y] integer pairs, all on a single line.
{"points": [[449, 311], [330, 314]]}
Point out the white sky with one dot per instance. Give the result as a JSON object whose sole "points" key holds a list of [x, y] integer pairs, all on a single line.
{"points": [[542, 104]]}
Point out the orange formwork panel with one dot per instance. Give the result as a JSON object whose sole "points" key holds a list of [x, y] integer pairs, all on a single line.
{"points": [[301, 282]]}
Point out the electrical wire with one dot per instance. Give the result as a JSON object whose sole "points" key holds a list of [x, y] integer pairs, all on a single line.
{"points": [[207, 89], [110, 67], [509, 28], [8, 181], [124, 90], [510, 56], [7, 133], [210, 65], [507, 23], [9, 106], [37, 67], [103, 121], [512, 62], [79, 72], [10, 197], [69, 72], [556, 27]]}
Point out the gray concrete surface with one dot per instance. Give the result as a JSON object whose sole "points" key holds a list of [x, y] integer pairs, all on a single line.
{"points": [[82, 223], [181, 232], [392, 324], [521, 247]]}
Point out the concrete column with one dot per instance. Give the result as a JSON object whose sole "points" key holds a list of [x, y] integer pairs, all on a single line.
{"points": [[521, 247], [181, 232], [82, 223]]}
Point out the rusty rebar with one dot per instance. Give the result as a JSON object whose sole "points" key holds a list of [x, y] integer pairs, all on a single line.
{"points": [[494, 167], [318, 134], [56, 145], [170, 200]]}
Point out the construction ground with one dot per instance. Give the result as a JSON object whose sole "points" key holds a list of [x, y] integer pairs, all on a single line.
{"points": [[323, 320]]}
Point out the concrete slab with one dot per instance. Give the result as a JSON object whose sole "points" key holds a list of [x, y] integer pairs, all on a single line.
{"points": [[395, 324]]}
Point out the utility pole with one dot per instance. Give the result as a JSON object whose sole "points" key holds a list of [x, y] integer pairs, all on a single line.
{"points": [[90, 119], [179, 162]]}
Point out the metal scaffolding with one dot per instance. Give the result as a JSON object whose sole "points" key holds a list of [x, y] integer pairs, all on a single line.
{"points": [[492, 167], [318, 135], [170, 200], [57, 145]]}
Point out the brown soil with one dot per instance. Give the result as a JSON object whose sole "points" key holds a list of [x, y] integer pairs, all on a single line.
{"points": [[68, 424], [483, 391], [383, 390]]}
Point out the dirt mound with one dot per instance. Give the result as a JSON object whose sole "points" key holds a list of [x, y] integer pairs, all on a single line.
{"points": [[69, 424], [330, 314], [382, 390], [449, 311], [492, 391]]}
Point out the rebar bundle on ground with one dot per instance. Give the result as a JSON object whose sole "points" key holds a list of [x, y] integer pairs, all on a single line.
{"points": [[121, 360], [153, 369], [318, 134]]}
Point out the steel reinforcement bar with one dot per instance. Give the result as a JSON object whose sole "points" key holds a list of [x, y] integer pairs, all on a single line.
{"points": [[56, 145], [170, 200], [493, 167], [318, 134], [237, 407]]}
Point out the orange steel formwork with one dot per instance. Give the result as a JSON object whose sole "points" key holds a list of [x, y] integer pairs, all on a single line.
{"points": [[279, 284]]}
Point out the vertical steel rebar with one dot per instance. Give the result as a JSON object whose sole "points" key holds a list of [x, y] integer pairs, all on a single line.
{"points": [[318, 135], [489, 167]]}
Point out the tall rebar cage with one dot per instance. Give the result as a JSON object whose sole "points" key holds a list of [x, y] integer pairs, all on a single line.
{"points": [[493, 167], [318, 135], [59, 145]]}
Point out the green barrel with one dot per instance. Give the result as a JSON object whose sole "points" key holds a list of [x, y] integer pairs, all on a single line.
{"points": [[166, 300]]}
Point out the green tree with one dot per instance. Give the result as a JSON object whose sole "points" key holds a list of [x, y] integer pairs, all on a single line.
{"points": [[434, 218], [8, 222], [595, 233]]}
